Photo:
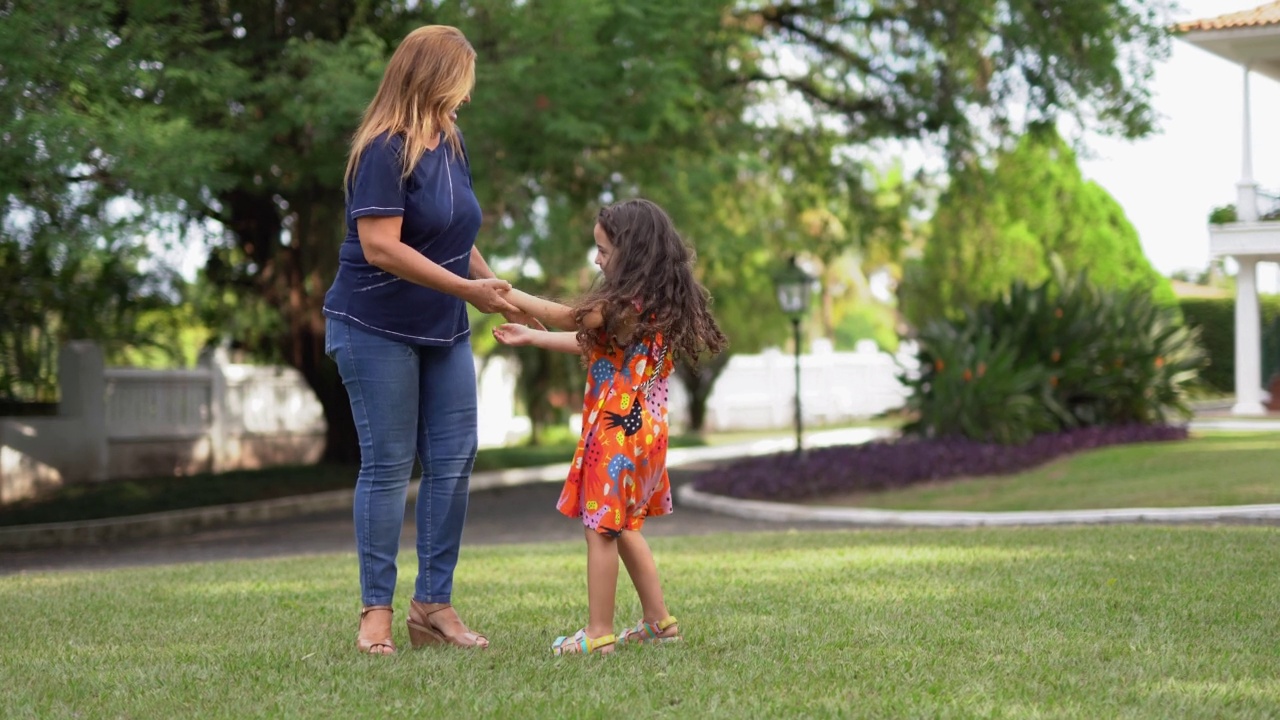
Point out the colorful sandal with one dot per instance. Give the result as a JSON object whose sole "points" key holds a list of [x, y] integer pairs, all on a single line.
{"points": [[645, 632], [580, 644]]}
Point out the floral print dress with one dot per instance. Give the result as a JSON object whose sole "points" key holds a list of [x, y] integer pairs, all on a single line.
{"points": [[619, 472]]}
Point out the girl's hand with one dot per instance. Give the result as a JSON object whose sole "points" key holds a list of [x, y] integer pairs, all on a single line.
{"points": [[488, 295], [514, 334], [524, 318]]}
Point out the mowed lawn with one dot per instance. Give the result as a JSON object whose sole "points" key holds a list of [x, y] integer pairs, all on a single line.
{"points": [[1085, 622], [1215, 468]]}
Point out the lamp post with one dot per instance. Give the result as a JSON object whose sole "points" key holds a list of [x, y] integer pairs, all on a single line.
{"points": [[794, 286]]}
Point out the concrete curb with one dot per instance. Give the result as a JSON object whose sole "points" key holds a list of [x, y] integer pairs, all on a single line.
{"points": [[867, 517], [174, 522], [870, 517]]}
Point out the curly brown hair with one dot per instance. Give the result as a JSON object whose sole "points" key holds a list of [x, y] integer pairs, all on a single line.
{"points": [[650, 288]]}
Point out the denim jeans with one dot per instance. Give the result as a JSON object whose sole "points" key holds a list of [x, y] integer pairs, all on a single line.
{"points": [[408, 400]]}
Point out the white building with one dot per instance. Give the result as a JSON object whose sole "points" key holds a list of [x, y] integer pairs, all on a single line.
{"points": [[1250, 39]]}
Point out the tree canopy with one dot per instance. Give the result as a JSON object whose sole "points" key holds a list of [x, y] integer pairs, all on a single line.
{"points": [[228, 121], [993, 227]]}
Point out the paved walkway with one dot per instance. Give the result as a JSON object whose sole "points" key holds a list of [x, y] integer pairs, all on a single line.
{"points": [[518, 506]]}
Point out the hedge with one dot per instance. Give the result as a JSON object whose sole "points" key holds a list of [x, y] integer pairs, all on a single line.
{"points": [[1216, 318]]}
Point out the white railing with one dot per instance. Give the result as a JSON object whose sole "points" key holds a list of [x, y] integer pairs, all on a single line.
{"points": [[126, 422], [757, 392], [158, 404], [270, 400]]}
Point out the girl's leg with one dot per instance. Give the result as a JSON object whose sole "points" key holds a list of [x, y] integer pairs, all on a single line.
{"points": [[638, 558], [602, 582], [381, 378]]}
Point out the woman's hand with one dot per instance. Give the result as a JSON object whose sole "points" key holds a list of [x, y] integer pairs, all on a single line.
{"points": [[514, 334], [488, 295]]}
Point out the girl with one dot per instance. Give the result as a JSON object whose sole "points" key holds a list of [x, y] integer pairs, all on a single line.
{"points": [[648, 311]]}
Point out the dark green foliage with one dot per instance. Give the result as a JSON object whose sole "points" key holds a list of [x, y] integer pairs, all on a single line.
{"points": [[1215, 320], [1058, 355]]}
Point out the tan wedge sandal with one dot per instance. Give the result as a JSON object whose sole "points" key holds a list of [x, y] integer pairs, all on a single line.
{"points": [[423, 632], [379, 645]]}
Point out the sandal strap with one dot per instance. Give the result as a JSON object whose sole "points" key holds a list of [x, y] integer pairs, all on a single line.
{"points": [[370, 608], [581, 643], [596, 643], [442, 608]]}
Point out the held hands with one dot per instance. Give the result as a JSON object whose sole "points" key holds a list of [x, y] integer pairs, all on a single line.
{"points": [[488, 295]]}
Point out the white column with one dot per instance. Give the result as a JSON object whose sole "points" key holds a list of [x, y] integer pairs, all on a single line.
{"points": [[220, 453], [1247, 189], [82, 387], [1248, 341]]}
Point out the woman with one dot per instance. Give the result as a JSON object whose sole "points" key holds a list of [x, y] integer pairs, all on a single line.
{"points": [[396, 324]]}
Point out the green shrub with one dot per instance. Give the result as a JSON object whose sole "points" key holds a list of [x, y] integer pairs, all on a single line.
{"points": [[972, 384], [1215, 319], [1063, 354]]}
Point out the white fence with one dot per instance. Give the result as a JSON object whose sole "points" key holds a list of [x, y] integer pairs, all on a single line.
{"points": [[757, 392], [123, 422]]}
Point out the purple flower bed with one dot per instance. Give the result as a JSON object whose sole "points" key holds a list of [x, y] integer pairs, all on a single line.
{"points": [[897, 463]]}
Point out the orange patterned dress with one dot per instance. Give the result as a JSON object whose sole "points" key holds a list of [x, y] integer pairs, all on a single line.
{"points": [[619, 472]]}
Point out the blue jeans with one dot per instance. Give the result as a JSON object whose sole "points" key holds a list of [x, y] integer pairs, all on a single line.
{"points": [[408, 400]]}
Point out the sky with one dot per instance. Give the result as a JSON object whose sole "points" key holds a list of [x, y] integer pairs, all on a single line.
{"points": [[1168, 183]]}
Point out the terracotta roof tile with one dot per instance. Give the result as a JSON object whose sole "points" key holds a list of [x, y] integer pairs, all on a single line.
{"points": [[1261, 16]]}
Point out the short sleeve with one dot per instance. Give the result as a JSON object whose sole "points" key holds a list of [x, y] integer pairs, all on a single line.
{"points": [[377, 188]]}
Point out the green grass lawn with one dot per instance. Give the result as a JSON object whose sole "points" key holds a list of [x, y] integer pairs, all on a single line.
{"points": [[1084, 622], [1208, 469]]}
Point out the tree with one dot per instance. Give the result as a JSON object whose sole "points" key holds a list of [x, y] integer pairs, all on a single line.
{"points": [[74, 168], [994, 227], [236, 113]]}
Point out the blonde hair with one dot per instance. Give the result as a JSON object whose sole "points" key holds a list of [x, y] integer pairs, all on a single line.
{"points": [[427, 78]]}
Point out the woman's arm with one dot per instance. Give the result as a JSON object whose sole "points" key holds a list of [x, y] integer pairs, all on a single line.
{"points": [[479, 268], [518, 335], [380, 241]]}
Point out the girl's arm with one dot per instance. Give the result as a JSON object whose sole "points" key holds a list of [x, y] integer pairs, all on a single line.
{"points": [[380, 241], [517, 335], [552, 313]]}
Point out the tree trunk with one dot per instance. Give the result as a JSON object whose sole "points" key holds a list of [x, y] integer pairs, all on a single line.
{"points": [[294, 279], [698, 383]]}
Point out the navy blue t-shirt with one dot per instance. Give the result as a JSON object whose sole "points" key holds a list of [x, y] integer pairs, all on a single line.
{"points": [[441, 220]]}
